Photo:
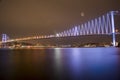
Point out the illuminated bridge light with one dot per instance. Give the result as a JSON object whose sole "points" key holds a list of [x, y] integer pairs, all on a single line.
{"points": [[75, 31], [72, 32], [64, 33], [85, 28], [82, 29], [57, 35], [92, 26], [69, 32]]}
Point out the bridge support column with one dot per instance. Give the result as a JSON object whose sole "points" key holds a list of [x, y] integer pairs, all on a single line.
{"points": [[4, 40], [113, 28]]}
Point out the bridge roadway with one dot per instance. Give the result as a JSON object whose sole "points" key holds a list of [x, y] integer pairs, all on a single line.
{"points": [[74, 40]]}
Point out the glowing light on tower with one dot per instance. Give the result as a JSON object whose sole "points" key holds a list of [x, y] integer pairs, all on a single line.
{"points": [[4, 39]]}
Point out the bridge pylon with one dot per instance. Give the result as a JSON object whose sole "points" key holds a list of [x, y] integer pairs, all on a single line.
{"points": [[4, 40], [112, 13]]}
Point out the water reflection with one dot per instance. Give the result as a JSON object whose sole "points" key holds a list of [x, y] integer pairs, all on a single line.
{"points": [[58, 60], [60, 64]]}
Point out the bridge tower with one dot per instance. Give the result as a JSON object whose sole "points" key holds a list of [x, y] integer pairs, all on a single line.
{"points": [[113, 28], [4, 40], [112, 13]]}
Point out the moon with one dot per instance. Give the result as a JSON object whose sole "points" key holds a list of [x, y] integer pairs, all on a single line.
{"points": [[82, 14]]}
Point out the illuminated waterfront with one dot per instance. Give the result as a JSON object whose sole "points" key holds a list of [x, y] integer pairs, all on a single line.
{"points": [[60, 64]]}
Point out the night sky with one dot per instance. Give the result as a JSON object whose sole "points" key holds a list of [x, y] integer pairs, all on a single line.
{"points": [[33, 17]]}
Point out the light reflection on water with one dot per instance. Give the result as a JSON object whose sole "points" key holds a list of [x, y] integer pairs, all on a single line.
{"points": [[60, 64]]}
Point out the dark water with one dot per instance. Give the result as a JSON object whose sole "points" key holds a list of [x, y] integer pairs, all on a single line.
{"points": [[60, 64]]}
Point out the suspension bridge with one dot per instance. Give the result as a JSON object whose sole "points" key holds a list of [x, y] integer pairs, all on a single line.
{"points": [[103, 25]]}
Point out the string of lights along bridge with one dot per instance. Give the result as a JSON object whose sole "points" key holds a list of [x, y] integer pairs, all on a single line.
{"points": [[103, 25]]}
